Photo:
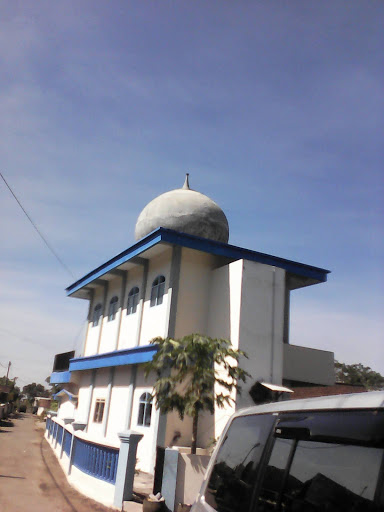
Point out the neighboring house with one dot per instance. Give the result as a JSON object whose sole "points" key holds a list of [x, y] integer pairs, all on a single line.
{"points": [[67, 404], [180, 277], [316, 391], [42, 403]]}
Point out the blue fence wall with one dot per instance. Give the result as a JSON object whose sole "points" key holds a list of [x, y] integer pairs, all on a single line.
{"points": [[60, 433], [67, 442], [95, 460], [50, 426]]}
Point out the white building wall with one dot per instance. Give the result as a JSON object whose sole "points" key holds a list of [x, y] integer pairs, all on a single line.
{"points": [[130, 323], [67, 408], [84, 396], [193, 294], [99, 392], [119, 402], [155, 318], [224, 322], [93, 333], [261, 325], [110, 328], [246, 306], [308, 365], [146, 451]]}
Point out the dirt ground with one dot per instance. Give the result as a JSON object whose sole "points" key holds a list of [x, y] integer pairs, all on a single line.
{"points": [[30, 477]]}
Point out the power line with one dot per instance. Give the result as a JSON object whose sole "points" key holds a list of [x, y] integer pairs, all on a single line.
{"points": [[24, 339], [38, 231]]}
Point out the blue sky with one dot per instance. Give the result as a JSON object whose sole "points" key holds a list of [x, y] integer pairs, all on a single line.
{"points": [[275, 109]]}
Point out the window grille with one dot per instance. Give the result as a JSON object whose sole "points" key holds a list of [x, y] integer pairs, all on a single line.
{"points": [[112, 309], [99, 411], [133, 300], [157, 293], [145, 410], [96, 315]]}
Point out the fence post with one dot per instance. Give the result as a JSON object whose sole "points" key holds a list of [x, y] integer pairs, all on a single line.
{"points": [[169, 484], [76, 425], [68, 421], [126, 466], [47, 424], [57, 434]]}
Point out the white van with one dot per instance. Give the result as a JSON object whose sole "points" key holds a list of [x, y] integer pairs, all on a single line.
{"points": [[315, 455]]}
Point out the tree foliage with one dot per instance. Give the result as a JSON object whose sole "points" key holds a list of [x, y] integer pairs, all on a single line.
{"points": [[54, 388], [14, 391], [187, 371], [358, 375], [33, 390]]}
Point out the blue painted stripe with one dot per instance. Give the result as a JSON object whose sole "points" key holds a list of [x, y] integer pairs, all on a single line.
{"points": [[135, 355], [60, 377], [231, 252], [237, 253], [135, 250], [63, 392]]}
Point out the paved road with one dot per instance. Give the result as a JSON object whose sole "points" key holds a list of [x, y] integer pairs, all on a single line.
{"points": [[30, 476]]}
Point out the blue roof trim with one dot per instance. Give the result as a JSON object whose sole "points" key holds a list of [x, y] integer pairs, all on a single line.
{"points": [[144, 244], [237, 253], [135, 355], [60, 377], [200, 244], [71, 396]]}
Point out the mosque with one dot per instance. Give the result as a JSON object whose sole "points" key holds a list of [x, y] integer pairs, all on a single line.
{"points": [[181, 277]]}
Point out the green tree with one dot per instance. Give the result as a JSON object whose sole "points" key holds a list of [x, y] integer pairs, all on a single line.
{"points": [[358, 375], [187, 370], [55, 388], [33, 390], [13, 394]]}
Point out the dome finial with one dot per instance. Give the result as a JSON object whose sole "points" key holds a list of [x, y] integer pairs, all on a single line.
{"points": [[186, 182]]}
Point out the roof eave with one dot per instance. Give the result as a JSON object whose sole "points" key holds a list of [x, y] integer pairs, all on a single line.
{"points": [[169, 236]]}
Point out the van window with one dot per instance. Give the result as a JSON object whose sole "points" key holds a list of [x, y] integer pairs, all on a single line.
{"points": [[232, 479], [305, 475]]}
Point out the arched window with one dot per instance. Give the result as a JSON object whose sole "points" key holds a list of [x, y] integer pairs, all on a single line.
{"points": [[133, 300], [96, 315], [145, 410], [157, 292], [112, 308]]}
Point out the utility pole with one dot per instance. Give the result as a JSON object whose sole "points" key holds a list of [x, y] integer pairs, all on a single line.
{"points": [[9, 365]]}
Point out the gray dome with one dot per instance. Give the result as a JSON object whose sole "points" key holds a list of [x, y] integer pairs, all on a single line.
{"points": [[184, 210]]}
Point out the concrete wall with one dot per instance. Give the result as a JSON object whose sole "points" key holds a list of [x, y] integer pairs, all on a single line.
{"points": [[154, 318], [67, 408], [99, 392], [130, 323], [93, 333], [183, 474], [119, 402], [261, 329], [224, 322], [83, 396], [146, 450], [110, 328], [193, 294], [190, 473], [308, 365], [94, 488], [122, 332], [246, 306]]}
